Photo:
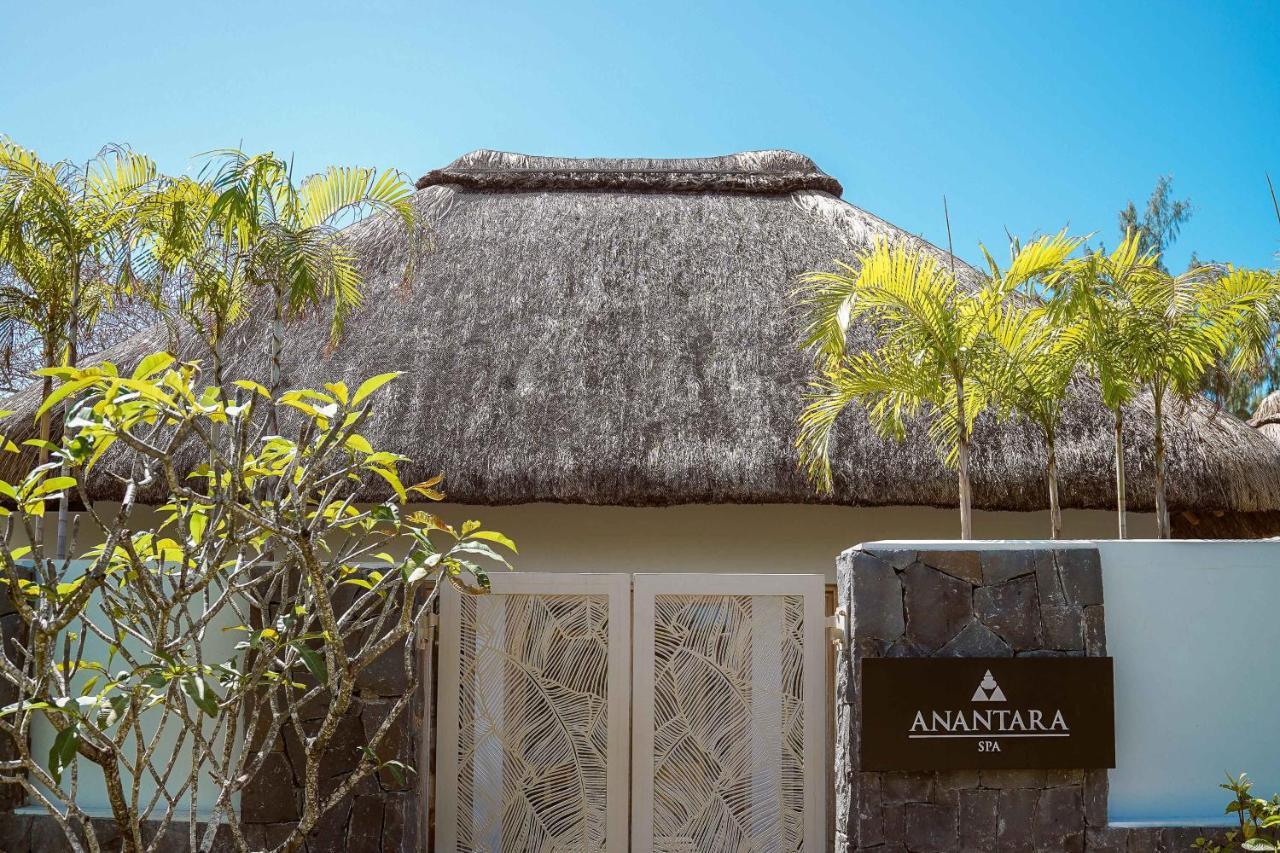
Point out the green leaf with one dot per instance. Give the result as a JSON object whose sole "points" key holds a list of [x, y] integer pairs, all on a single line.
{"points": [[372, 384], [63, 751], [250, 385], [151, 365], [61, 392], [201, 693], [314, 663], [355, 441], [495, 536], [389, 475]]}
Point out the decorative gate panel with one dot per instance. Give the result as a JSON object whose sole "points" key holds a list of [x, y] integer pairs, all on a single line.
{"points": [[533, 717], [728, 714], [711, 686]]}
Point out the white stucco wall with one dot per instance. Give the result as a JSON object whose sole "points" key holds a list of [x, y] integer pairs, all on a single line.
{"points": [[738, 538], [1195, 633]]}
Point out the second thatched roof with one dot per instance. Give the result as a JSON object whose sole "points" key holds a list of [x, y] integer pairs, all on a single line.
{"points": [[623, 332]]}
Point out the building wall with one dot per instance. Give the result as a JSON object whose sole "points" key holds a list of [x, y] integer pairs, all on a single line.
{"points": [[1193, 630], [744, 538]]}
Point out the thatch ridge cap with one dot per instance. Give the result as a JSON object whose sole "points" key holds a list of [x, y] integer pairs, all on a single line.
{"points": [[771, 171]]}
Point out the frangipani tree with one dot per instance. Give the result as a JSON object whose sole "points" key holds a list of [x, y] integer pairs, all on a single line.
{"points": [[270, 538]]}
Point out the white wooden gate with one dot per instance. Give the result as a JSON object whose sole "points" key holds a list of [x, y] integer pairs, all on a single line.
{"points": [[665, 713]]}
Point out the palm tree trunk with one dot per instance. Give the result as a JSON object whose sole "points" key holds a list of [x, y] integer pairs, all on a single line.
{"points": [[277, 350], [1162, 505], [962, 457], [68, 406], [966, 491], [46, 426], [1055, 509], [1121, 507]]}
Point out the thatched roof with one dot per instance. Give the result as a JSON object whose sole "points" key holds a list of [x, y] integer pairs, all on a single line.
{"points": [[622, 332], [1266, 419]]}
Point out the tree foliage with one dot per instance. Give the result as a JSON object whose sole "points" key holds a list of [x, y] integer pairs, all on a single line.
{"points": [[269, 538], [1015, 340]]}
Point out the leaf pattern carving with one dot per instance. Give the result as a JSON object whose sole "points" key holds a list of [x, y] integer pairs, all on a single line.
{"points": [[533, 727], [728, 724]]}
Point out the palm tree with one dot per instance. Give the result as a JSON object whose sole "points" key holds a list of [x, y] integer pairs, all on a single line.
{"points": [[192, 263], [932, 338], [66, 232], [1144, 327], [288, 233], [1082, 304], [1028, 372], [1178, 326]]}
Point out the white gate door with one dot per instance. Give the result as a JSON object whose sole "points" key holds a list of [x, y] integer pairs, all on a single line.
{"points": [[729, 714], [550, 739], [533, 719]]}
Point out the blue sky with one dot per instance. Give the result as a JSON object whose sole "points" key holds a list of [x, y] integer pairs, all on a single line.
{"points": [[1028, 116]]}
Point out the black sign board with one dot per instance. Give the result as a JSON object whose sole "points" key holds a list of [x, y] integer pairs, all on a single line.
{"points": [[958, 713]]}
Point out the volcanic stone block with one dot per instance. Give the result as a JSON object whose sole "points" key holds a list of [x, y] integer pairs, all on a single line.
{"points": [[895, 824], [1017, 810], [938, 606], [1095, 631], [1054, 778], [905, 786], [1080, 572], [364, 832], [385, 675], [931, 827], [1063, 627], [1096, 787], [1049, 583], [1011, 779], [343, 753], [1059, 823], [15, 832], [976, 641], [330, 832], [1144, 841], [904, 648], [898, 558], [965, 565], [270, 797], [1011, 610], [395, 743], [870, 810], [876, 596], [1106, 840], [1000, 565], [956, 780], [978, 820]]}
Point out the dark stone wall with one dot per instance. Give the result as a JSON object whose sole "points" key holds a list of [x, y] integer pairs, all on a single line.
{"points": [[973, 603], [12, 631], [382, 813]]}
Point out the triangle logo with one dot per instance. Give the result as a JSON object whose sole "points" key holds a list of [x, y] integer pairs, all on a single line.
{"points": [[988, 690]]}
